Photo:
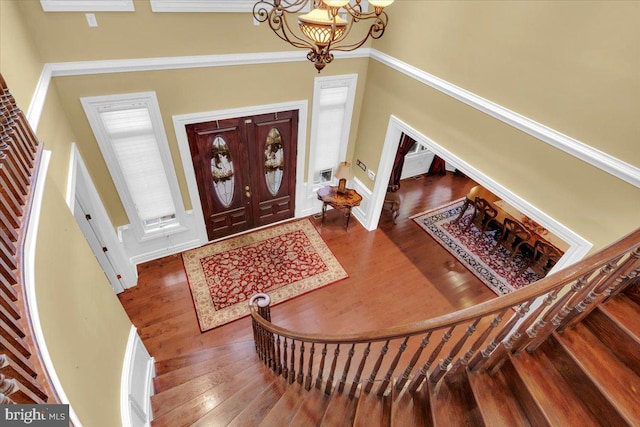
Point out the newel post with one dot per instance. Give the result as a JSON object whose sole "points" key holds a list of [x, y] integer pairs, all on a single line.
{"points": [[263, 339]]}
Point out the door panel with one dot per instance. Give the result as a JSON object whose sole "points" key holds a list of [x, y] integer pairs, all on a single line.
{"points": [[274, 154], [245, 169], [214, 146]]}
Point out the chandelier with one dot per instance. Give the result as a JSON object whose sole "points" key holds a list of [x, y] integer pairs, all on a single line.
{"points": [[325, 28]]}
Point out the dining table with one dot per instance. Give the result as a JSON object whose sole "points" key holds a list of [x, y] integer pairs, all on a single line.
{"points": [[505, 210]]}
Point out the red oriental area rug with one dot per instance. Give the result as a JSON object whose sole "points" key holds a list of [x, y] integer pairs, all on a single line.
{"points": [[473, 250], [284, 261]]}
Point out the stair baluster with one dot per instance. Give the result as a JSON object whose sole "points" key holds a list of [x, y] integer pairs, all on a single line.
{"points": [[356, 378]]}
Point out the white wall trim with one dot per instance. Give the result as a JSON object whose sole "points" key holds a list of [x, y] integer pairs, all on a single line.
{"points": [[136, 385], [60, 69], [87, 5], [31, 301], [202, 5], [181, 121], [169, 244], [594, 157], [578, 246]]}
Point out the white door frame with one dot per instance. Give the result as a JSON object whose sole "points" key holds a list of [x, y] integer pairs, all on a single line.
{"points": [[181, 121], [80, 187]]}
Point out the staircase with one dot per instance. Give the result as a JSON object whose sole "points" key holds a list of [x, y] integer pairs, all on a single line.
{"points": [[586, 375]]}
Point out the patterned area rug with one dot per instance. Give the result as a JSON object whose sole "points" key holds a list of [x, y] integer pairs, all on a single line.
{"points": [[284, 261], [472, 250]]}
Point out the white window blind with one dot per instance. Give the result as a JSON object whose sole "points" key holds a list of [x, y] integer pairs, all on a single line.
{"points": [[135, 147], [333, 103]]}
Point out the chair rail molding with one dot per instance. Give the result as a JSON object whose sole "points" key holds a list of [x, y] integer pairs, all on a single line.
{"points": [[582, 151], [592, 156]]}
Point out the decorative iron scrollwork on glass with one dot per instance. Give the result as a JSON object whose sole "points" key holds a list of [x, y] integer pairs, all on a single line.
{"points": [[273, 161], [222, 171]]}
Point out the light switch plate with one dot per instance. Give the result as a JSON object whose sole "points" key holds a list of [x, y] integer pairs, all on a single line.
{"points": [[91, 19], [372, 175]]}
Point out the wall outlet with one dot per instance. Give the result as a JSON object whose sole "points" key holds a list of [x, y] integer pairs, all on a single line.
{"points": [[361, 165], [371, 174]]}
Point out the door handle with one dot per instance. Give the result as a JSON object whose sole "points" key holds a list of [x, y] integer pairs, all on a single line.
{"points": [[247, 194]]}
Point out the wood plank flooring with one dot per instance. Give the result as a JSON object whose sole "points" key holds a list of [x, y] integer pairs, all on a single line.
{"points": [[397, 275]]}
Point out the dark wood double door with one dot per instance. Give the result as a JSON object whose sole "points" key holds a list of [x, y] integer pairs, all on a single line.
{"points": [[246, 170]]}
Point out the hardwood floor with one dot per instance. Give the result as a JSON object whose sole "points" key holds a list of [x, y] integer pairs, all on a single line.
{"points": [[397, 275]]}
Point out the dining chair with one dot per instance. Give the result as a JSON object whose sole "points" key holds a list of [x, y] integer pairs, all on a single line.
{"points": [[512, 238], [482, 215], [541, 258]]}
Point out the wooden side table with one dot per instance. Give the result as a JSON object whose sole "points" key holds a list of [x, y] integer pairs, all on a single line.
{"points": [[329, 196]]}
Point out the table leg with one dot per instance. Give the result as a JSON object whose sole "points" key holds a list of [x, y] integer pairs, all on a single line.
{"points": [[348, 217], [324, 210]]}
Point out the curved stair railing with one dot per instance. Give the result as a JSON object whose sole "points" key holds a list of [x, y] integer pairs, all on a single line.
{"points": [[23, 377], [477, 338]]}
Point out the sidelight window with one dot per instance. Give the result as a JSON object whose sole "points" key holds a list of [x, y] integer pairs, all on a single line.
{"points": [[333, 99], [131, 136]]}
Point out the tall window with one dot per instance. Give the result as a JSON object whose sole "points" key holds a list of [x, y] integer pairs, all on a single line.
{"points": [[333, 99], [131, 136]]}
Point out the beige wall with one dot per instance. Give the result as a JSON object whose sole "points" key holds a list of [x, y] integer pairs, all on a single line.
{"points": [[193, 91], [83, 322], [66, 37], [593, 203], [573, 66]]}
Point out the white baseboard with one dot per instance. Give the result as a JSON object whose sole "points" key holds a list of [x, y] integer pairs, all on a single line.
{"points": [[136, 388]]}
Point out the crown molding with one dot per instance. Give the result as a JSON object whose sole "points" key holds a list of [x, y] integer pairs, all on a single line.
{"points": [[582, 151], [592, 156]]}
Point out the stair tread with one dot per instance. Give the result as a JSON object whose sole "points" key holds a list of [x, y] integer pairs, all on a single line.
{"points": [[617, 382], [373, 410], [177, 362], [261, 405], [550, 392], [200, 395], [616, 335], [626, 313], [225, 412], [179, 376], [286, 407], [312, 410], [498, 406], [340, 411], [445, 396], [409, 410]]}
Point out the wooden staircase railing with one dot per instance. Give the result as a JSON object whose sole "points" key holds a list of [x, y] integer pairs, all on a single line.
{"points": [[473, 339], [22, 376]]}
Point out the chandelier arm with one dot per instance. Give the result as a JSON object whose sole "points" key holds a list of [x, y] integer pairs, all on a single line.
{"points": [[278, 22], [375, 32]]}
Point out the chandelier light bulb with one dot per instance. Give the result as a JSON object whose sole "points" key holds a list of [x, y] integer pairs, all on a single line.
{"points": [[335, 3], [379, 3]]}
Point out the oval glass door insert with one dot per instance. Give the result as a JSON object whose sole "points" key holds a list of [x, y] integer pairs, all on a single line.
{"points": [[222, 171], [273, 161]]}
